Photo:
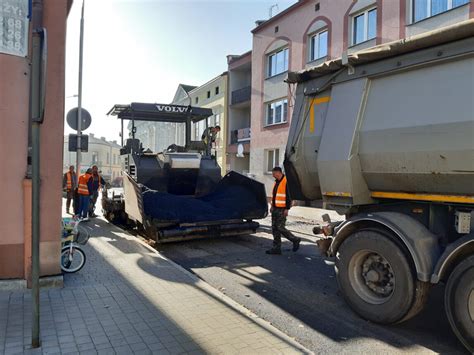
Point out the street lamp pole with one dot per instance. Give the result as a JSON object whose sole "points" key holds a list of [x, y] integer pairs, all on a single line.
{"points": [[79, 95]]}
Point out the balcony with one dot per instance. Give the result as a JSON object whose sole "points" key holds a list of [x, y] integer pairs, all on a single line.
{"points": [[241, 95], [240, 135]]}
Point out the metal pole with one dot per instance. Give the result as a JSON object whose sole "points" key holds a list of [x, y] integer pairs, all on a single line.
{"points": [[121, 132], [36, 111], [35, 265], [79, 94]]}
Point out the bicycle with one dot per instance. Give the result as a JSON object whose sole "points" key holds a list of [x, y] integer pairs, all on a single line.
{"points": [[73, 257]]}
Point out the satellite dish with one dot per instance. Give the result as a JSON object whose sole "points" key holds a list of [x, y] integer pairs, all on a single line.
{"points": [[240, 151]]}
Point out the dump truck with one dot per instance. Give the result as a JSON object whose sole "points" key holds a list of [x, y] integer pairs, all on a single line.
{"points": [[178, 193], [385, 136]]}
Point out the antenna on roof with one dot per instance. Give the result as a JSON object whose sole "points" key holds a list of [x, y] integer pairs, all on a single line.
{"points": [[270, 10]]}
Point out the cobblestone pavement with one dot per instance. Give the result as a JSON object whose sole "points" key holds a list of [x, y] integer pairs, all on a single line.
{"points": [[129, 299]]}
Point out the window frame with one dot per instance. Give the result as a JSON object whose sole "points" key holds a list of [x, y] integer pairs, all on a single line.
{"points": [[310, 40], [285, 64], [268, 105], [276, 159], [364, 13], [429, 7], [216, 90]]}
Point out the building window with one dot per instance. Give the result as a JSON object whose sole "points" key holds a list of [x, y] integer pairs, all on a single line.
{"points": [[218, 119], [108, 158], [426, 8], [209, 94], [318, 45], [364, 26], [196, 132], [95, 158], [273, 159], [278, 62], [277, 112], [217, 90], [196, 100]]}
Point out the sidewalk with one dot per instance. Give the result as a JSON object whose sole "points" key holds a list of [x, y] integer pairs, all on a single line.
{"points": [[129, 299]]}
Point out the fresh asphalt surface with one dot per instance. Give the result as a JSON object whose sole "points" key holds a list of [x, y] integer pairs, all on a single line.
{"points": [[298, 294]]}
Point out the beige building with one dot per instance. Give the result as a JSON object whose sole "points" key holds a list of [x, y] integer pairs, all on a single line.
{"points": [[103, 153], [212, 95]]}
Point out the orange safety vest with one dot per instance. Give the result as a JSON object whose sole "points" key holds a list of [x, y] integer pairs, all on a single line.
{"points": [[280, 198], [83, 189], [69, 180]]}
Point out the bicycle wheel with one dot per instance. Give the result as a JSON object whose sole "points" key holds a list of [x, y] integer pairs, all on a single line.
{"points": [[72, 261]]}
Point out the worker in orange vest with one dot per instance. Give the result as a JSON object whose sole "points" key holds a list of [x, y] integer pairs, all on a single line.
{"points": [[69, 185], [281, 204], [95, 184], [84, 194]]}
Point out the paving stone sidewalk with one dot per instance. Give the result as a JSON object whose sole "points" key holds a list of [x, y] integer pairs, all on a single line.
{"points": [[128, 299]]}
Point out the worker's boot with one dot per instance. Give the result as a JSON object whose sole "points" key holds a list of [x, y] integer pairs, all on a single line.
{"points": [[274, 251], [296, 244]]}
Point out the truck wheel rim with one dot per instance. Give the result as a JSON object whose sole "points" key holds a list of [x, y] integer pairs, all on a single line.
{"points": [[372, 277], [471, 305]]}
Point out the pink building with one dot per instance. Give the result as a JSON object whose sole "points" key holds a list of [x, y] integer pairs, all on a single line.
{"points": [[313, 31], [15, 188]]}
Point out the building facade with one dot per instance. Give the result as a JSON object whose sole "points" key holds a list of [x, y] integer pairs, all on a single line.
{"points": [[16, 187], [311, 32], [103, 153], [238, 120]]}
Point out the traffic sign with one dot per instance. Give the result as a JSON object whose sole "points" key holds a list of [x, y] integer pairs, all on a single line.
{"points": [[73, 143], [72, 118]]}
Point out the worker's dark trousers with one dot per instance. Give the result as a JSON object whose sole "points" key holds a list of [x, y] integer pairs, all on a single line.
{"points": [[93, 201], [279, 229], [69, 198]]}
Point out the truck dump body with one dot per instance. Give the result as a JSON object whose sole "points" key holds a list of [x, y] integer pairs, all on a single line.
{"points": [[385, 136], [395, 119]]}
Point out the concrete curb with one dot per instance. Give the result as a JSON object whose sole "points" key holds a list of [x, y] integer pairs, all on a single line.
{"points": [[56, 281], [228, 301]]}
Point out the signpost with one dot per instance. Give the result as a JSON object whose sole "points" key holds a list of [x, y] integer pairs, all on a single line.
{"points": [[72, 144]]}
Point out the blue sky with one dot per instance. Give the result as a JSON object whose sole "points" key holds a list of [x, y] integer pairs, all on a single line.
{"points": [[140, 50]]}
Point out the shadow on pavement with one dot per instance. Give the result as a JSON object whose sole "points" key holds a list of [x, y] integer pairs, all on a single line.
{"points": [[303, 286], [156, 268]]}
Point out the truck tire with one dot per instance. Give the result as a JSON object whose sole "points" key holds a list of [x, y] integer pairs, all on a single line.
{"points": [[459, 302], [377, 279]]}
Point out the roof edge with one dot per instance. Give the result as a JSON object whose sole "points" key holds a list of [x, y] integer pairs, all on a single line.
{"points": [[279, 15]]}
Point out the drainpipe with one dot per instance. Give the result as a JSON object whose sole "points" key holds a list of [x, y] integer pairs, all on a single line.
{"points": [[37, 100]]}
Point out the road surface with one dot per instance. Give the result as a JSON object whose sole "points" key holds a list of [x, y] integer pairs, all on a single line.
{"points": [[297, 293]]}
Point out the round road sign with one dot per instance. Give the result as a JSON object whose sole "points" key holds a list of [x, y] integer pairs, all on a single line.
{"points": [[72, 118]]}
